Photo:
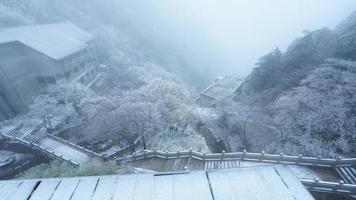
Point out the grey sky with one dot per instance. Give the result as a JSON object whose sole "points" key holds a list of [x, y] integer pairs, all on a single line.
{"points": [[243, 31]]}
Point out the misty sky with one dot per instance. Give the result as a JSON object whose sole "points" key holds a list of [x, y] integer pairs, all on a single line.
{"points": [[242, 31]]}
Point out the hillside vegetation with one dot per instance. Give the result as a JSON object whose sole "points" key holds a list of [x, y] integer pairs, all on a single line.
{"points": [[306, 95]]}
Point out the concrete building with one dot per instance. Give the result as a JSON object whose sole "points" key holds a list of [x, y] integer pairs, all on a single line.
{"points": [[32, 57]]}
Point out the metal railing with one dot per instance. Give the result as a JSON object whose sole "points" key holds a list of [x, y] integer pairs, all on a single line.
{"points": [[243, 156]]}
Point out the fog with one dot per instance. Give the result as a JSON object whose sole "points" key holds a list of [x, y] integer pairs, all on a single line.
{"points": [[209, 37], [95, 80], [229, 36]]}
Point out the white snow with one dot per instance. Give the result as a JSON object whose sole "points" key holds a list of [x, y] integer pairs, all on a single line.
{"points": [[268, 182], [105, 188], [274, 183], [7, 190], [24, 190], [85, 188], [45, 190], [54, 40], [65, 189], [68, 152]]}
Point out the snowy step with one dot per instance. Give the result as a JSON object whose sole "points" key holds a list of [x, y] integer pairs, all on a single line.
{"points": [[36, 134], [348, 174], [220, 164], [17, 132]]}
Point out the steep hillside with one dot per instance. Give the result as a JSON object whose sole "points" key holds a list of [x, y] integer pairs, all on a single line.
{"points": [[277, 72], [346, 44], [307, 93]]}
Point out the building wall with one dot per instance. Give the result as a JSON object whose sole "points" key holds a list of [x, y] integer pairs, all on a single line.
{"points": [[25, 73], [81, 66], [20, 69]]}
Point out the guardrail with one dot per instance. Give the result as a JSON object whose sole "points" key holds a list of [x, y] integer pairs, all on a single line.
{"points": [[244, 156], [329, 187], [43, 150]]}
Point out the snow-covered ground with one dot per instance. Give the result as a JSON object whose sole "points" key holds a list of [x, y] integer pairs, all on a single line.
{"points": [[173, 141], [68, 152], [4, 155], [210, 118]]}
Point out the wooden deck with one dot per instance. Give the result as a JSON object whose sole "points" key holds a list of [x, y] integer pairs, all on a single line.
{"points": [[267, 182]]}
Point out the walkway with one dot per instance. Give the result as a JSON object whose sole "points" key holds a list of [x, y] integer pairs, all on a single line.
{"points": [[36, 137], [68, 152], [268, 183]]}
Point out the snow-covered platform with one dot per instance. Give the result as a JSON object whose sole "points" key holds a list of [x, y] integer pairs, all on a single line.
{"points": [[266, 182]]}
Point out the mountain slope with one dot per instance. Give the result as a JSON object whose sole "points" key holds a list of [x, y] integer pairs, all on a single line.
{"points": [[308, 92]]}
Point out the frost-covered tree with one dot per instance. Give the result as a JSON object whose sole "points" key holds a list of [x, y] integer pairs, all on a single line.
{"points": [[252, 124], [319, 118], [141, 113], [59, 103]]}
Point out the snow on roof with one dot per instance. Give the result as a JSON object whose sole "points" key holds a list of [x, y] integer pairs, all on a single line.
{"points": [[54, 40], [222, 86], [248, 183]]}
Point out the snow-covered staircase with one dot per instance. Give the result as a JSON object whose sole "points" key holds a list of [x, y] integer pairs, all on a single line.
{"points": [[348, 174], [221, 164], [28, 133], [36, 134], [16, 132]]}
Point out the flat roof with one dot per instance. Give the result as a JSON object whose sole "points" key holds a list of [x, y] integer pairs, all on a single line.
{"points": [[56, 40], [267, 183]]}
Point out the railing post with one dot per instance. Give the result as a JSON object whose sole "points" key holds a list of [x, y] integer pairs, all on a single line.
{"points": [[155, 152], [316, 181], [134, 156], [300, 157], [166, 152], [243, 154], [222, 155], [281, 155], [340, 184], [204, 154], [190, 153], [178, 154], [144, 153], [317, 161], [262, 155], [338, 159]]}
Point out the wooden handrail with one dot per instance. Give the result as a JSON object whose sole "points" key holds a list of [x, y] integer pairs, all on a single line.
{"points": [[247, 156]]}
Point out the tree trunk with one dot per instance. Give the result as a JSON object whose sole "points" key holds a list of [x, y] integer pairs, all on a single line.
{"points": [[132, 146], [144, 142], [244, 135]]}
